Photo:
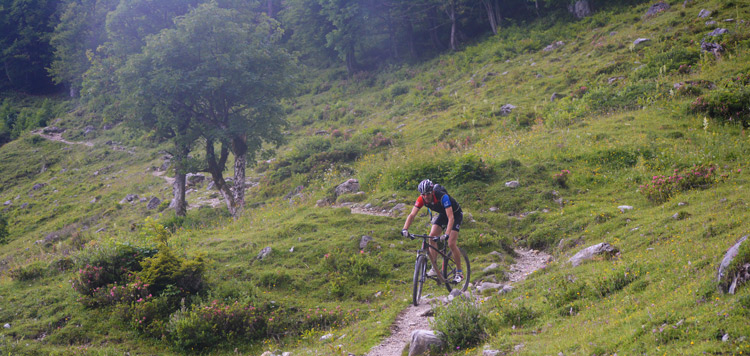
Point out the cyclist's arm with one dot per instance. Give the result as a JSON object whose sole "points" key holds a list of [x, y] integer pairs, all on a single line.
{"points": [[410, 218], [451, 220]]}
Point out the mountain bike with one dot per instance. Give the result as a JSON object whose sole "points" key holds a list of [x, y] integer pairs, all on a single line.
{"points": [[448, 270]]}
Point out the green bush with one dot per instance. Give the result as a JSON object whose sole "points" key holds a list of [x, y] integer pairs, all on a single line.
{"points": [[667, 62], [165, 268], [616, 280], [28, 272], [115, 261], [517, 315], [448, 171], [3, 229], [462, 323], [728, 103], [610, 98], [204, 326]]}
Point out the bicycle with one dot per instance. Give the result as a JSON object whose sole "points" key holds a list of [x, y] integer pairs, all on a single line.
{"points": [[448, 270]]}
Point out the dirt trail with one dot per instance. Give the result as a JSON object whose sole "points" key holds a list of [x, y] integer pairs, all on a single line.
{"points": [[58, 137], [417, 318]]}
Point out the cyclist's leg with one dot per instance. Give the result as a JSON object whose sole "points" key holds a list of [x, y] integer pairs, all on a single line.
{"points": [[452, 243], [436, 230]]}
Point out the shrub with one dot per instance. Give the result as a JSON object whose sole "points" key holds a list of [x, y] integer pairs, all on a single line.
{"points": [[449, 171], [566, 291], [204, 326], [662, 188], [397, 90], [561, 179], [669, 61], [517, 315], [90, 279], [730, 102], [112, 294], [3, 229], [616, 280], [165, 268], [462, 323], [28, 272], [116, 260]]}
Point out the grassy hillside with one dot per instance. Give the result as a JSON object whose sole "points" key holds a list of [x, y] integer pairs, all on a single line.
{"points": [[617, 125]]}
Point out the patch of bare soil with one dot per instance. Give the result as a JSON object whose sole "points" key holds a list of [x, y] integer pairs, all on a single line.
{"points": [[58, 138]]}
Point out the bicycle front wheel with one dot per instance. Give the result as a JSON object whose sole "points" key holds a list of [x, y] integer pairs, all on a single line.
{"points": [[419, 275], [449, 271]]}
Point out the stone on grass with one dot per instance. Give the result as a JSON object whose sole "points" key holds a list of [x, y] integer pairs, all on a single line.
{"points": [[130, 198], [326, 337], [491, 267], [728, 283], [264, 253], [704, 13], [580, 9], [624, 208], [489, 286], [718, 32], [153, 203], [423, 341], [364, 241], [657, 8], [512, 184], [602, 249], [350, 186], [640, 41]]}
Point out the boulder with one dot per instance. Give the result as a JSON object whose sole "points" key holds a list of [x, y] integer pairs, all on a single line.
{"points": [[506, 289], [294, 192], [153, 203], [624, 208], [130, 198], [491, 353], [491, 267], [640, 41], [704, 13], [507, 109], [194, 179], [489, 286], [602, 249], [512, 184], [657, 8], [718, 32], [728, 283], [350, 186], [364, 241], [423, 341], [38, 186], [553, 46], [264, 253], [53, 130], [714, 48], [580, 9], [556, 96]]}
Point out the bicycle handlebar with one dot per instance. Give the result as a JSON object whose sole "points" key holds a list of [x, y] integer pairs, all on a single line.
{"points": [[434, 238]]}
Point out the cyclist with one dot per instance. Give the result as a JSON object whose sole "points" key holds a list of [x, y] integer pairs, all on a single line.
{"points": [[448, 220]]}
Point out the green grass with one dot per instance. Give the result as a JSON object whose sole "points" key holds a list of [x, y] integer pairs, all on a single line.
{"points": [[438, 120]]}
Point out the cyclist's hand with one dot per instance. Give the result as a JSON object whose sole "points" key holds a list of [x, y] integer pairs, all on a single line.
{"points": [[444, 237], [405, 233]]}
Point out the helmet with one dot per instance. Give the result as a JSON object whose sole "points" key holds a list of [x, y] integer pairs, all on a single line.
{"points": [[425, 186]]}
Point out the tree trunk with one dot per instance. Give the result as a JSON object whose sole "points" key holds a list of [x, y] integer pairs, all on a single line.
{"points": [[493, 12], [451, 12], [351, 62], [434, 38], [178, 187], [270, 8], [392, 36], [239, 147], [410, 38], [215, 168]]}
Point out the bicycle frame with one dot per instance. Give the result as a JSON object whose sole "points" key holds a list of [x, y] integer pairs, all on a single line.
{"points": [[425, 247]]}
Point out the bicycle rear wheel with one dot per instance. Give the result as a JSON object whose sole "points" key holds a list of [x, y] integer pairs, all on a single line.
{"points": [[419, 275], [449, 271]]}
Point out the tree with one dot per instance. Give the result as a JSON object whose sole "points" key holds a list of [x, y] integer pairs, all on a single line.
{"points": [[25, 51], [219, 73], [345, 15]]}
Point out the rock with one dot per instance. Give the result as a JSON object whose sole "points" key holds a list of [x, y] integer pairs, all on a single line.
{"points": [[321, 132], [400, 126], [323, 202], [491, 267], [101, 230], [38, 186], [497, 254], [657, 8], [556, 96], [398, 207], [592, 251], [350, 186], [580, 9], [506, 289], [265, 252], [368, 206], [7, 202], [553, 46], [326, 337], [728, 283], [507, 109], [294, 192], [682, 203], [512, 184], [192, 179], [615, 80], [640, 41], [704, 13], [718, 32], [423, 341], [153, 203], [130, 198], [714, 48], [490, 353], [711, 23], [267, 353], [24, 205], [624, 208], [493, 209], [7, 326], [364, 241], [489, 286]]}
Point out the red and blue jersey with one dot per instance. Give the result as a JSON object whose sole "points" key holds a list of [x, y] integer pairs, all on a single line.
{"points": [[440, 201]]}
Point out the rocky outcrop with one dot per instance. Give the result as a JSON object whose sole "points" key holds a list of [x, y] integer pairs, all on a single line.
{"points": [[603, 249], [728, 279], [423, 341]]}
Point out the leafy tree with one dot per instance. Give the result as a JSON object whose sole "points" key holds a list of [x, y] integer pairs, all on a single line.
{"points": [[25, 51], [80, 31], [217, 73], [345, 15]]}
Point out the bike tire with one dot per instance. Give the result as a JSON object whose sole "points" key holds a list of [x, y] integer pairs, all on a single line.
{"points": [[449, 271], [419, 276]]}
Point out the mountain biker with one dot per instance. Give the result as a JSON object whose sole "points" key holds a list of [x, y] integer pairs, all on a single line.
{"points": [[448, 220]]}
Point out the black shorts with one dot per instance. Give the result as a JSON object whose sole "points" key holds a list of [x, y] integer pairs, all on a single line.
{"points": [[442, 220]]}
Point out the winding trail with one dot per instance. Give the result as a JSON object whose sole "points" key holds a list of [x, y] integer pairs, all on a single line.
{"points": [[417, 318], [58, 138]]}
